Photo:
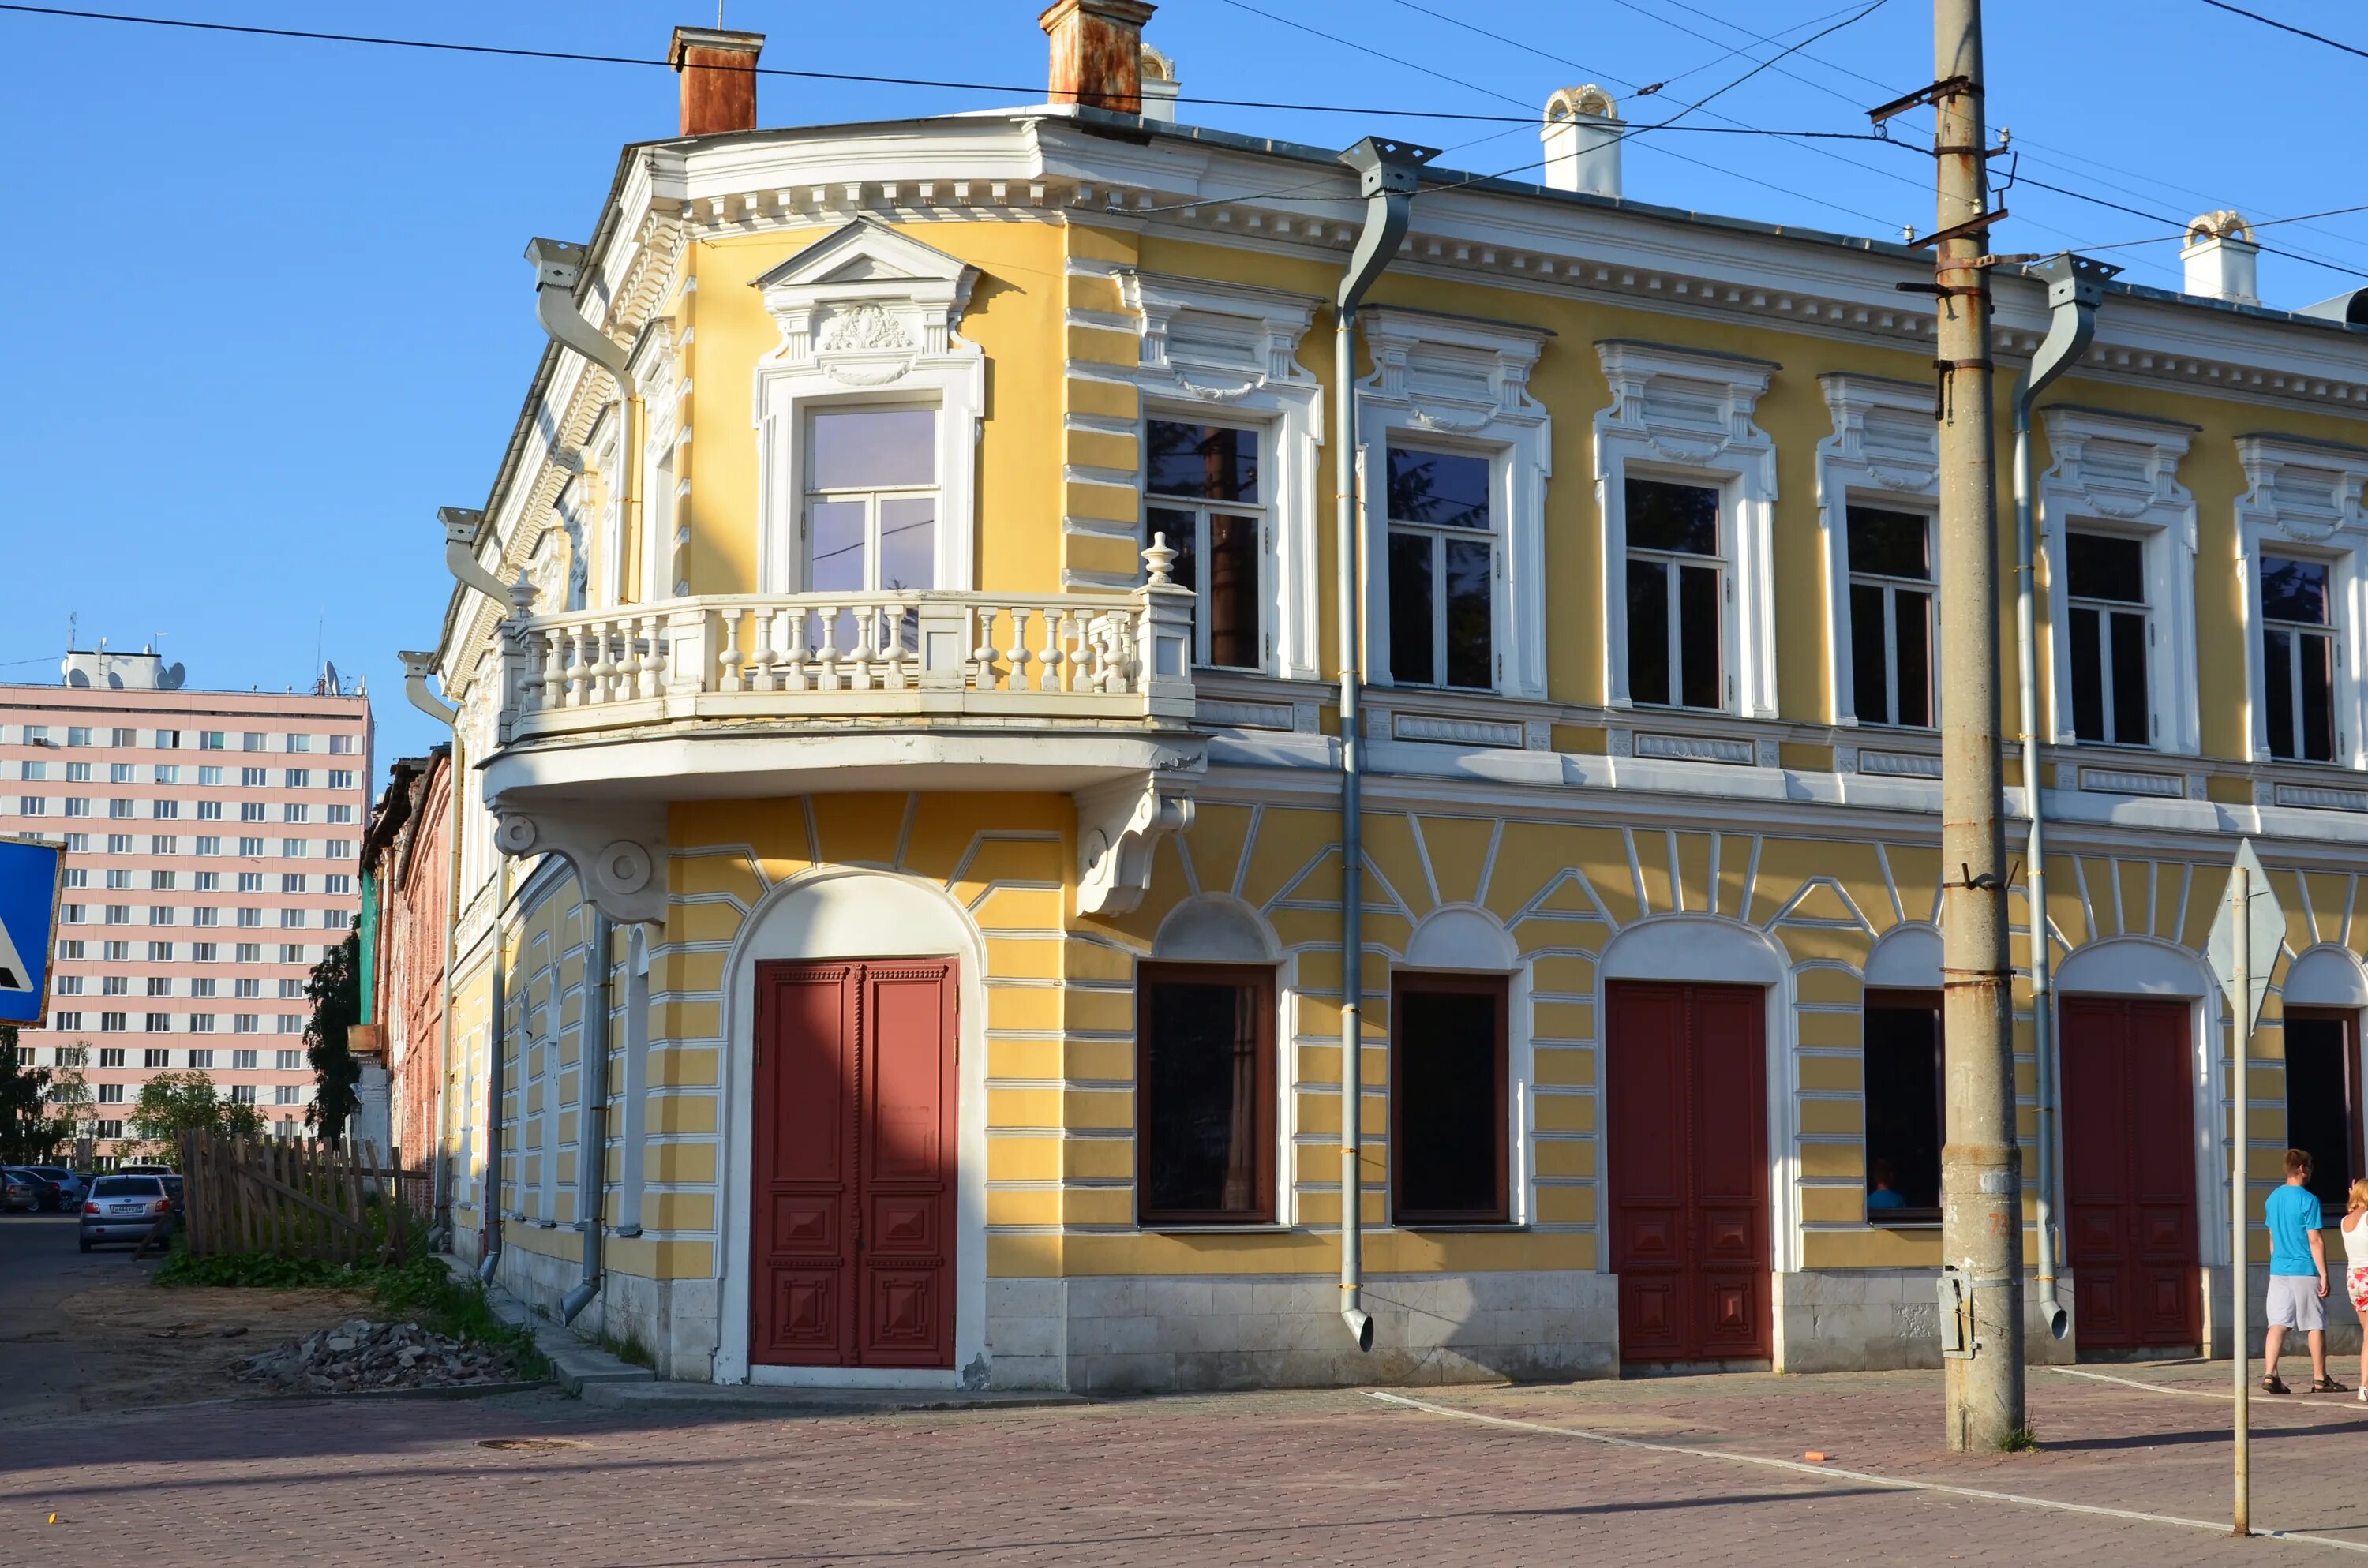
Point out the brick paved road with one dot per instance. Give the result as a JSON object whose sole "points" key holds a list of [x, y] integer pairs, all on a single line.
{"points": [[1320, 1478]]}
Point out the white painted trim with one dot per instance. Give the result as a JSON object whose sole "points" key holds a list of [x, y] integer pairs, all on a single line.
{"points": [[2328, 975], [1456, 384], [1687, 417], [841, 913], [1462, 936], [1886, 450], [1907, 958], [2303, 498], [2119, 475], [867, 316], [1215, 929]]}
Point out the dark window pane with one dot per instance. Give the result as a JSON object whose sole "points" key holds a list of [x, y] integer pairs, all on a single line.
{"points": [[1411, 656], [2278, 689], [2132, 720], [1648, 632], [2317, 698], [1445, 489], [1450, 1092], [2088, 674], [1889, 544], [2319, 1103], [1204, 461], [1204, 1116], [1912, 640], [2293, 589], [1903, 1105], [1233, 592], [2106, 566], [1662, 516], [1698, 636], [1471, 631], [1869, 674]]}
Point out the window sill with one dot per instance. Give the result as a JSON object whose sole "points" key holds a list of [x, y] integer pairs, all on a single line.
{"points": [[1461, 1227], [1218, 1228], [1910, 1224]]}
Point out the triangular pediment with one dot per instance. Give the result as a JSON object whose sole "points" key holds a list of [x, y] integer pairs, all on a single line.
{"points": [[864, 251]]}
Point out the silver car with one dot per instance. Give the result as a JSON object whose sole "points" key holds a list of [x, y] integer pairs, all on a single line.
{"points": [[124, 1208], [70, 1186]]}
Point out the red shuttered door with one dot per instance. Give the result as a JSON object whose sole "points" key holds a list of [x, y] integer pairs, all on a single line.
{"points": [[853, 1168], [1687, 1133], [2129, 1174]]}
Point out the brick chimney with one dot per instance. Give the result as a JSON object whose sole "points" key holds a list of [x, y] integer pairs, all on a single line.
{"points": [[1097, 52], [719, 78]]}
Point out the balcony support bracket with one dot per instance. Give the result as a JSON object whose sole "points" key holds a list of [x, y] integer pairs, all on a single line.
{"points": [[617, 849], [1119, 827]]}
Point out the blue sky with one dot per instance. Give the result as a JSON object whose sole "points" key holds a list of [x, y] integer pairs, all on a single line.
{"points": [[270, 310]]}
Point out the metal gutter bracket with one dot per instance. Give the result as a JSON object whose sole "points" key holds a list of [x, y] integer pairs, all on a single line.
{"points": [[464, 525], [558, 269], [416, 668]]}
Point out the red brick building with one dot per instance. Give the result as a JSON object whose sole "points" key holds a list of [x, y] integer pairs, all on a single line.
{"points": [[406, 868]]}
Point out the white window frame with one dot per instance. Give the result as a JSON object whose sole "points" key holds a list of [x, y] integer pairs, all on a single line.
{"points": [[2306, 498], [867, 316], [1884, 451], [1685, 415], [1216, 353], [652, 366], [1452, 383], [1261, 512], [873, 496], [2118, 474]]}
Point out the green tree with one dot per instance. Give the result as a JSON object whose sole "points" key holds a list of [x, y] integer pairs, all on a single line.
{"points": [[174, 1103], [336, 992], [30, 1134]]}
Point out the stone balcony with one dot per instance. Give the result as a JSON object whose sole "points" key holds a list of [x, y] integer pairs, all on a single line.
{"points": [[609, 715]]}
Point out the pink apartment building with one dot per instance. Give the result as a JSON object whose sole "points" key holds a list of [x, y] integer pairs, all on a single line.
{"points": [[211, 840]]}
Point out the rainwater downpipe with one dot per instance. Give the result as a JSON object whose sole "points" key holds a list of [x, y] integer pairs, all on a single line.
{"points": [[1386, 173], [416, 668], [592, 1137], [2074, 285], [493, 1071]]}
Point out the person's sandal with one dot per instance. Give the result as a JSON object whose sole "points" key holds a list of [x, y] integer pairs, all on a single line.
{"points": [[2272, 1384], [2327, 1385]]}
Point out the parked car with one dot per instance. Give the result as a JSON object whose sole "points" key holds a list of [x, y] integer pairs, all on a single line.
{"points": [[72, 1185], [143, 1170], [51, 1196], [123, 1208], [19, 1195]]}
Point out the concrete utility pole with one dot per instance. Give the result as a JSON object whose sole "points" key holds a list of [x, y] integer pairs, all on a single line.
{"points": [[1981, 1167]]}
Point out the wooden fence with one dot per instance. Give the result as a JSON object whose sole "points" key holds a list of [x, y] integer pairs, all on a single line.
{"points": [[294, 1198]]}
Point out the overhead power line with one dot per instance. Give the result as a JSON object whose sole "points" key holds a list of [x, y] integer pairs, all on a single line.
{"points": [[2158, 217], [2288, 27]]}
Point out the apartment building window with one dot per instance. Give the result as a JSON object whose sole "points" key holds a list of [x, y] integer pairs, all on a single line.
{"points": [[119, 843], [37, 735], [250, 881], [1902, 1054], [72, 913], [77, 773], [295, 848], [73, 1055], [340, 816], [250, 810], [293, 952], [77, 877], [209, 776], [169, 773], [341, 778], [292, 990], [242, 1094], [127, 737], [155, 1056], [249, 952], [77, 843], [2299, 658], [64, 1021], [121, 809], [291, 1023], [201, 1023], [118, 915], [32, 806], [336, 919], [207, 882], [1204, 1071], [2111, 633], [115, 984], [287, 1094], [160, 952], [33, 772], [111, 1055], [77, 806], [160, 914], [207, 843], [250, 741], [104, 1129], [872, 500], [1677, 584], [338, 850], [290, 1061], [118, 772], [160, 1023], [164, 844], [1448, 1132], [295, 810], [163, 880], [167, 810], [243, 988], [250, 918], [205, 914], [118, 878], [250, 848], [209, 739], [337, 883], [68, 985], [117, 952], [244, 1022], [167, 740], [292, 882], [300, 743], [209, 811], [202, 1057], [291, 920], [203, 985], [1443, 566], [77, 735], [341, 745], [110, 1093], [1201, 484], [158, 985], [243, 1061], [203, 952], [298, 778]]}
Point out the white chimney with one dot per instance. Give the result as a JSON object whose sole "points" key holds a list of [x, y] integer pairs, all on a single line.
{"points": [[1160, 85], [2223, 258], [1582, 134]]}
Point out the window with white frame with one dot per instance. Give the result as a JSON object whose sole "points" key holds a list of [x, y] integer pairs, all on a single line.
{"points": [[1443, 565], [1677, 588], [2299, 654], [1202, 494], [2110, 630], [870, 507], [1891, 606], [2302, 526]]}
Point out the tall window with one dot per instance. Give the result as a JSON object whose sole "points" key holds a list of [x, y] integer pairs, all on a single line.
{"points": [[1442, 566], [1676, 589], [2111, 631], [1891, 616], [2323, 1098], [1902, 1050], [2298, 657], [1204, 1094], [872, 500], [1449, 1162], [1201, 484]]}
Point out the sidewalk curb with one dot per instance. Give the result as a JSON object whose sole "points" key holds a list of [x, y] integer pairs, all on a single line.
{"points": [[575, 1363], [762, 1399]]}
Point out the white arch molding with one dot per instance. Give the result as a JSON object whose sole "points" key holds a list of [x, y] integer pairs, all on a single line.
{"points": [[1709, 950], [847, 912], [1215, 929], [2326, 976], [1907, 958]]}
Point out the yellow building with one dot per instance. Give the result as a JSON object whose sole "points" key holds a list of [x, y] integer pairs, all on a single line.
{"points": [[904, 609]]}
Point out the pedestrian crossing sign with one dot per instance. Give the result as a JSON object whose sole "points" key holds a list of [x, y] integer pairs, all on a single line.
{"points": [[31, 870]]}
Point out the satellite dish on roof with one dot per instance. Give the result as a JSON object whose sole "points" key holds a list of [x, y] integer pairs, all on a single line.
{"points": [[329, 676], [76, 678], [171, 677]]}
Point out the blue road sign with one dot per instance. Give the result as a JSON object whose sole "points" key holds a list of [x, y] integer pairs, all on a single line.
{"points": [[30, 874]]}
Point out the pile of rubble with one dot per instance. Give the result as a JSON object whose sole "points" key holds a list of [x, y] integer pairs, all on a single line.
{"points": [[361, 1355]]}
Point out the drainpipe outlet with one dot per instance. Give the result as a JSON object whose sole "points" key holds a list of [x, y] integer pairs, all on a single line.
{"points": [[578, 1299], [463, 527], [488, 1264], [558, 268], [1360, 1325], [416, 668]]}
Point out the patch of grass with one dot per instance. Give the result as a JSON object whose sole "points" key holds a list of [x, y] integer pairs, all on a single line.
{"points": [[261, 1270], [629, 1350], [2021, 1440]]}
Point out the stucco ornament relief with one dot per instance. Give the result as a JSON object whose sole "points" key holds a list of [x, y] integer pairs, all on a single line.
{"points": [[866, 306], [617, 849]]}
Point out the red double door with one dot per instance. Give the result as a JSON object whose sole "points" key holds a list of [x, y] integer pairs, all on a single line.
{"points": [[853, 1164], [1686, 1122], [2129, 1174]]}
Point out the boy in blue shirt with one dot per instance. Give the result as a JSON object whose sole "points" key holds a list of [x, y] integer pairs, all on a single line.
{"points": [[2298, 1277]]}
